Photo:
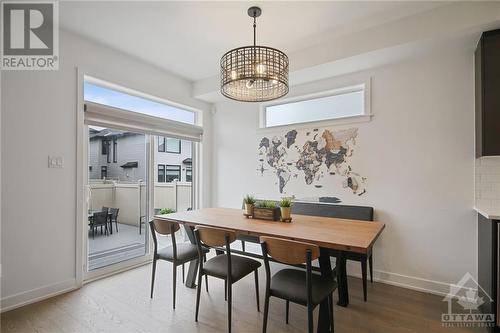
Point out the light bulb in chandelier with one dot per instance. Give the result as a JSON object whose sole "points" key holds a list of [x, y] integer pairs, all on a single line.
{"points": [[250, 84], [261, 68]]}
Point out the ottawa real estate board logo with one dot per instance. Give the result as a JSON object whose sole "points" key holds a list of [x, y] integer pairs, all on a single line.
{"points": [[469, 305], [30, 35]]}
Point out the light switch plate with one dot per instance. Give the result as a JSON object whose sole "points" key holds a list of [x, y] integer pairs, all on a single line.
{"points": [[56, 162]]}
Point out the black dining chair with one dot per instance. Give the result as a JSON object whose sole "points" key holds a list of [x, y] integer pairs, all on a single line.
{"points": [[294, 285], [228, 267], [177, 254], [99, 219]]}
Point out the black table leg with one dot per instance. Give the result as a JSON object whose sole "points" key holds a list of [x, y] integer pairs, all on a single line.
{"points": [[324, 308], [193, 264], [342, 279]]}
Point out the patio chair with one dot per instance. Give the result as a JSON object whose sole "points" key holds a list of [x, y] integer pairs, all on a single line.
{"points": [[114, 217], [99, 219]]}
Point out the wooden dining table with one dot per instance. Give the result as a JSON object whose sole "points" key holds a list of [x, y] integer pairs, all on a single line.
{"points": [[334, 236]]}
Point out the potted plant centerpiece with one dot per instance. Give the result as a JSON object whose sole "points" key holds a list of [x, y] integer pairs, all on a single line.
{"points": [[266, 210], [164, 211], [286, 209], [249, 201]]}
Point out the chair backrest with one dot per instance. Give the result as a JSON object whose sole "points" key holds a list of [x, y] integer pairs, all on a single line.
{"points": [[165, 227], [114, 213], [288, 251], [104, 209], [215, 237], [100, 217]]}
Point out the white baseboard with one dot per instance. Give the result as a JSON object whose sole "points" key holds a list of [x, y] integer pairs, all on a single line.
{"points": [[37, 294], [404, 281]]}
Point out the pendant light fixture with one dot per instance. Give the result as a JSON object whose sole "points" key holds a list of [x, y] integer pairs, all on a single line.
{"points": [[254, 73]]}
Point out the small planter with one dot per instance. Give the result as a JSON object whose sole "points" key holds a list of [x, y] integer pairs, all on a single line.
{"points": [[272, 214], [286, 214], [248, 209]]}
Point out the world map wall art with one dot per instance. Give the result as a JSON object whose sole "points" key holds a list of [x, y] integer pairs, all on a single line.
{"points": [[311, 157]]}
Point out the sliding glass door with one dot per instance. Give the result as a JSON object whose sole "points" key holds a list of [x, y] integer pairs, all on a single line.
{"points": [[139, 160]]}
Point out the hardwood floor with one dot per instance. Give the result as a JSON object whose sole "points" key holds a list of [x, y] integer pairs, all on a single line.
{"points": [[121, 303]]}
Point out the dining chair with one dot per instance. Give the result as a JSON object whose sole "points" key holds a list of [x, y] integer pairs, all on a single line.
{"points": [[177, 254], [99, 219], [294, 285], [228, 267], [114, 217]]}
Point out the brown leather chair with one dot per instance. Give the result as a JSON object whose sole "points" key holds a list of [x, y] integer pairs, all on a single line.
{"points": [[177, 254], [228, 267], [294, 285]]}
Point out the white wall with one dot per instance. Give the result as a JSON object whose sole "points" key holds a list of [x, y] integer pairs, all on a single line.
{"points": [[39, 119], [417, 154]]}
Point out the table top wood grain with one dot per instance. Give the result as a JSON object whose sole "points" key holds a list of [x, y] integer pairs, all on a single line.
{"points": [[332, 233]]}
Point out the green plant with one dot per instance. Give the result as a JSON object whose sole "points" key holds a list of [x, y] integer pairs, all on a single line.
{"points": [[249, 199], [286, 202], [166, 211], [266, 204]]}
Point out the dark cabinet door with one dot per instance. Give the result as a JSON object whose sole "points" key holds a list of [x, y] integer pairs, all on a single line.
{"points": [[488, 95]]}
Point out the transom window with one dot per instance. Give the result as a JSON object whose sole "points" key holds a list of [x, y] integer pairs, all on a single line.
{"points": [[341, 103]]}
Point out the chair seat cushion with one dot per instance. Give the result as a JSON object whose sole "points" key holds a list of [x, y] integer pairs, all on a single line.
{"points": [[290, 284], [240, 266], [185, 252]]}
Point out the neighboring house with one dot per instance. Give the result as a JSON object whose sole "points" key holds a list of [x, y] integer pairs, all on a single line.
{"points": [[121, 156], [173, 160]]}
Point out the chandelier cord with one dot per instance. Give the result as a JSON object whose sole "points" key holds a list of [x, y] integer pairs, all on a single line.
{"points": [[254, 28]]}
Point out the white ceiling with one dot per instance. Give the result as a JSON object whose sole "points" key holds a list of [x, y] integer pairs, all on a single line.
{"points": [[188, 38]]}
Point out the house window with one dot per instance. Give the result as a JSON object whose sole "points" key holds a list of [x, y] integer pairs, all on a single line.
{"points": [[173, 145], [169, 145], [173, 172], [115, 147], [161, 144], [104, 172], [104, 147], [161, 173], [189, 174], [341, 103]]}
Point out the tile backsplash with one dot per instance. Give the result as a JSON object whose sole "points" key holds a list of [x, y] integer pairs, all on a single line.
{"points": [[487, 182]]}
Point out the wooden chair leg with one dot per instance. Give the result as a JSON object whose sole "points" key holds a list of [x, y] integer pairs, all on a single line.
{"points": [[370, 262], [229, 306], [363, 275], [256, 274], [330, 300], [174, 277], [198, 292], [153, 277], [266, 312], [287, 310]]}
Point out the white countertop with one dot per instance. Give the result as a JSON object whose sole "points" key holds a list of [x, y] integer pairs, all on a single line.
{"points": [[489, 212]]}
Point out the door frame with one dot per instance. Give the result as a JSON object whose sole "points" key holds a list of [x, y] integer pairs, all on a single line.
{"points": [[82, 275]]}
